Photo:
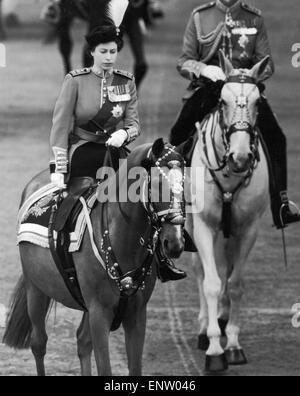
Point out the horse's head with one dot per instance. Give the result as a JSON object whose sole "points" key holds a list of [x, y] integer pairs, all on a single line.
{"points": [[166, 203], [239, 110]]}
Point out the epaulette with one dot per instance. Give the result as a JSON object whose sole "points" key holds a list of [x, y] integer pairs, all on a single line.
{"points": [[124, 74], [204, 7], [80, 72], [251, 9]]}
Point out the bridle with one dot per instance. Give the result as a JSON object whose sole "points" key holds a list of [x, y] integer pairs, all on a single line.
{"points": [[129, 283], [243, 125], [242, 105], [175, 180]]}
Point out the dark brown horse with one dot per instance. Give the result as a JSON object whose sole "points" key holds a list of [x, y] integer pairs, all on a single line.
{"points": [[91, 12], [130, 234]]}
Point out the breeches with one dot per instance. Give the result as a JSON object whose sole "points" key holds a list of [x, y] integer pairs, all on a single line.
{"points": [[87, 159]]}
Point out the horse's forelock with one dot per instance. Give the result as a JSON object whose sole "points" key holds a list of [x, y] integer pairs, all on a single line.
{"points": [[140, 156], [237, 72]]}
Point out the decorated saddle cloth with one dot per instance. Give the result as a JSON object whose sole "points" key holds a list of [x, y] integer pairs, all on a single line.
{"points": [[34, 216]]}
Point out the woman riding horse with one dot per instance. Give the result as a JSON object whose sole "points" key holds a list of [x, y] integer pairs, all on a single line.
{"points": [[91, 113], [93, 116]]}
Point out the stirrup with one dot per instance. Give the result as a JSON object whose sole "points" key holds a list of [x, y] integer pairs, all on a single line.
{"points": [[288, 204]]}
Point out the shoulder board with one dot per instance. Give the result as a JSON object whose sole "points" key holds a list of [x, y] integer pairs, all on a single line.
{"points": [[124, 73], [80, 72], [204, 7], [251, 9]]}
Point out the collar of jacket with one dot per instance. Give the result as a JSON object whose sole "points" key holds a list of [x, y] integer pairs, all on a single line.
{"points": [[226, 9], [103, 74]]}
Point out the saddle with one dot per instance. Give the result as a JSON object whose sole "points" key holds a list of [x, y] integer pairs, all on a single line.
{"points": [[63, 217]]}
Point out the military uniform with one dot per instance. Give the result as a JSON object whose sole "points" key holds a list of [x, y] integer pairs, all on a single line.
{"points": [[89, 109], [240, 32]]}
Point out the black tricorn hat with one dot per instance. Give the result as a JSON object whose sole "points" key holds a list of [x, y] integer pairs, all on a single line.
{"points": [[109, 28]]}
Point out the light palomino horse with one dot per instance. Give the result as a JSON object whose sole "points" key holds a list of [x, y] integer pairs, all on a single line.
{"points": [[220, 261], [121, 227]]}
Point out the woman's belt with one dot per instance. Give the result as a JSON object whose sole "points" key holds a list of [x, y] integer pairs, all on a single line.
{"points": [[99, 137]]}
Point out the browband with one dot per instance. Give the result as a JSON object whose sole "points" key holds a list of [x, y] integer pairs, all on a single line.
{"points": [[241, 79]]}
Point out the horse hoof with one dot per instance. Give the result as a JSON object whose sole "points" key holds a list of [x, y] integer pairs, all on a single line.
{"points": [[236, 357], [216, 364], [203, 342], [223, 324]]}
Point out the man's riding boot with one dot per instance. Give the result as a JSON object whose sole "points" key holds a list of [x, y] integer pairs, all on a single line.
{"points": [[166, 270], [276, 152], [194, 110]]}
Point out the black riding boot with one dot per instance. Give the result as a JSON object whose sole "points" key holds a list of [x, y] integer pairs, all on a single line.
{"points": [[275, 142], [203, 101], [166, 270]]}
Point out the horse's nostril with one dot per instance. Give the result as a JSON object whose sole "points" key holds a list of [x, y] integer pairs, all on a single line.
{"points": [[230, 157]]}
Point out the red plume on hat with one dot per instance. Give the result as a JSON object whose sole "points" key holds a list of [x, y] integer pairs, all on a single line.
{"points": [[109, 29]]}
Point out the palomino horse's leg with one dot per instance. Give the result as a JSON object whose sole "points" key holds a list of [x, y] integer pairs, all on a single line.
{"points": [[37, 305], [212, 286], [240, 248], [100, 320], [203, 341], [85, 346], [135, 328], [224, 270]]}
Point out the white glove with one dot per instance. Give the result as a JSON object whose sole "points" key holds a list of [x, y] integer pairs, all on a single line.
{"points": [[214, 73], [193, 68], [59, 180], [117, 139]]}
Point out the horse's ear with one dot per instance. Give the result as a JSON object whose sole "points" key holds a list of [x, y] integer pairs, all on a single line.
{"points": [[158, 148], [225, 63], [257, 72], [185, 148]]}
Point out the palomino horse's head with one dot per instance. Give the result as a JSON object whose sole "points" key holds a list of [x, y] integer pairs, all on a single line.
{"points": [[239, 109], [166, 203]]}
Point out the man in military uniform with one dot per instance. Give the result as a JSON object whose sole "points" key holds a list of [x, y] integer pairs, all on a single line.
{"points": [[239, 30]]}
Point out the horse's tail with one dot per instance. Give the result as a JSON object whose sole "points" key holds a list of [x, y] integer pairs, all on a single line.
{"points": [[18, 328]]}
